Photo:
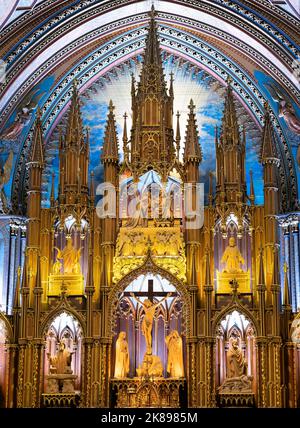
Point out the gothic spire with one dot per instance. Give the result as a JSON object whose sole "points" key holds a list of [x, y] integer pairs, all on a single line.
{"points": [[152, 76], [110, 147], [192, 149], [74, 133], [37, 151], [152, 51], [178, 137], [268, 149], [17, 290], [230, 129], [125, 140]]}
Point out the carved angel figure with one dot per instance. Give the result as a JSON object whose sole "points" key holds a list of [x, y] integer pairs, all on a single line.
{"points": [[6, 170]]}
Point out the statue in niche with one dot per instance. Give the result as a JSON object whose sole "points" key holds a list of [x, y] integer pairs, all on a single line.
{"points": [[70, 257], [122, 357], [61, 363], [236, 363], [232, 257], [175, 355], [149, 308]]}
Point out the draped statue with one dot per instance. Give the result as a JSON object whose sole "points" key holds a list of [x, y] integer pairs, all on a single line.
{"points": [[147, 322], [236, 363], [175, 355], [122, 357], [232, 257], [70, 257], [61, 363]]}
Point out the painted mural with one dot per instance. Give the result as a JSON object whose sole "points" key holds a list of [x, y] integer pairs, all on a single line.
{"points": [[15, 131], [189, 82]]}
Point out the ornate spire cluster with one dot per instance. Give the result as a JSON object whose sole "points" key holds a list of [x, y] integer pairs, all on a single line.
{"points": [[230, 155]]}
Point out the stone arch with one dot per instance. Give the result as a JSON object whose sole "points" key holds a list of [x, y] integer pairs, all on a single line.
{"points": [[56, 312], [148, 267], [228, 310]]}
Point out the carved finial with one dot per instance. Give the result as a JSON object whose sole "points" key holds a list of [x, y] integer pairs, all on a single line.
{"points": [[152, 12], [178, 137], [191, 105], [111, 107], [234, 286], [192, 149]]}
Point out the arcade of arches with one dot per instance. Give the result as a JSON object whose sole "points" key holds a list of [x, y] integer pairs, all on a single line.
{"points": [[149, 204]]}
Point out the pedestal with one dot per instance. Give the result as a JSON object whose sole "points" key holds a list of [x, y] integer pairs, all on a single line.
{"points": [[150, 393]]}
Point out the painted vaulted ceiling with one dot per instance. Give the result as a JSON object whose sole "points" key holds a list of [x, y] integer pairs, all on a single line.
{"points": [[45, 44]]}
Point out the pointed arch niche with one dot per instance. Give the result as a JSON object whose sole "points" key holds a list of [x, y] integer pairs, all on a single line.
{"points": [[235, 325], [130, 313], [64, 328]]}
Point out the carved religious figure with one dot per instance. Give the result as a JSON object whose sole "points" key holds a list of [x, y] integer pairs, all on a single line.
{"points": [[147, 322], [236, 363], [61, 363], [70, 257], [175, 355], [122, 357], [151, 366], [232, 257]]}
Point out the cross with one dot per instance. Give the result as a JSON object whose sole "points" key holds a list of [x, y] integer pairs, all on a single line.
{"points": [[150, 294]]}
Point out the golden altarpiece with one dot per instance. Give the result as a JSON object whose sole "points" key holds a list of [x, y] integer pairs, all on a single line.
{"points": [[142, 309]]}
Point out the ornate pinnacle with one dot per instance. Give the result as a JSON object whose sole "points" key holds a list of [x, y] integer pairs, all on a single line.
{"points": [[192, 150], [74, 134], [37, 151], [125, 139], [178, 137], [286, 290], [110, 146]]}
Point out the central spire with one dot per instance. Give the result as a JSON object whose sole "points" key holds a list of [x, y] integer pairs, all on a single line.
{"points": [[152, 75], [152, 51], [152, 142]]}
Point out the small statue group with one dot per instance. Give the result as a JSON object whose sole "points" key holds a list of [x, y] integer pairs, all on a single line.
{"points": [[61, 362], [151, 364], [70, 257]]}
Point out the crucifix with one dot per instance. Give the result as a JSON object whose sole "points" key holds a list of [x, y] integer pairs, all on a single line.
{"points": [[149, 308]]}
